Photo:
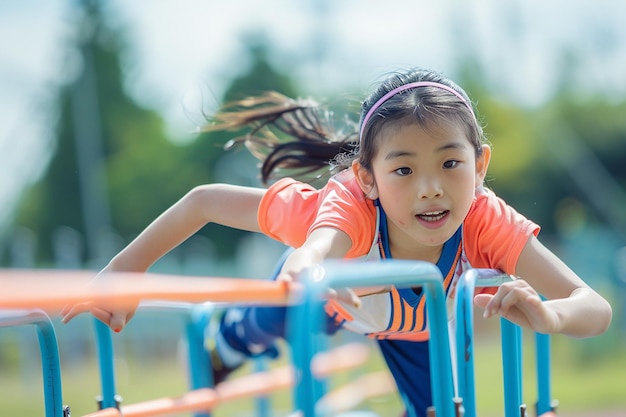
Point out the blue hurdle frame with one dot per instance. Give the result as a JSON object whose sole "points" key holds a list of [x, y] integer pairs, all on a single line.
{"points": [[306, 337], [196, 318], [48, 346], [511, 340]]}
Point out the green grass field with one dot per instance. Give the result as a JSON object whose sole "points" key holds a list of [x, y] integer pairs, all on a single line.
{"points": [[587, 376]]}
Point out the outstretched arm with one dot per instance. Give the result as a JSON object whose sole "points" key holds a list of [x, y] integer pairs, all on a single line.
{"points": [[572, 307], [228, 205]]}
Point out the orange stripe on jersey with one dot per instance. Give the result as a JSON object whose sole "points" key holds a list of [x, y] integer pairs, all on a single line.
{"points": [[413, 328], [407, 322], [417, 319], [420, 336], [409, 317], [398, 311], [410, 337], [333, 308], [448, 279]]}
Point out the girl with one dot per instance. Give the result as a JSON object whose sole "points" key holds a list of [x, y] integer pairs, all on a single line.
{"points": [[409, 186]]}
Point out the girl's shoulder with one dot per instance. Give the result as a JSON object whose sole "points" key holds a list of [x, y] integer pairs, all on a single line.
{"points": [[494, 233], [488, 207], [290, 210], [346, 183]]}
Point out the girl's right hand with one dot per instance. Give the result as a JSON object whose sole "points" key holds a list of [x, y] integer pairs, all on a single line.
{"points": [[116, 318], [316, 272]]}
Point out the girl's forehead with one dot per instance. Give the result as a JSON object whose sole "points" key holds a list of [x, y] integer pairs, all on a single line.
{"points": [[441, 129]]}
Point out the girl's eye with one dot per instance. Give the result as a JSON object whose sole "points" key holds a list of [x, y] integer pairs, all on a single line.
{"points": [[403, 171], [450, 164]]}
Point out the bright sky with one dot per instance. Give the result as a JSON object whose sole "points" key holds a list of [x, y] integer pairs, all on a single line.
{"points": [[181, 51]]}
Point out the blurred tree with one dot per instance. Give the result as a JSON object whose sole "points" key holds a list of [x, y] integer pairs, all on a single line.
{"points": [[571, 147], [113, 168], [106, 146], [584, 143], [515, 168], [132, 172]]}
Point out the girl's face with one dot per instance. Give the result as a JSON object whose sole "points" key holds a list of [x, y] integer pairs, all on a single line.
{"points": [[426, 180]]}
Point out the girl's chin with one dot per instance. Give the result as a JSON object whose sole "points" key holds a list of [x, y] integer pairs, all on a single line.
{"points": [[439, 237]]}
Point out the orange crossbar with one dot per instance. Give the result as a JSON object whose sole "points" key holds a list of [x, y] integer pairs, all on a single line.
{"points": [[347, 397], [51, 290], [262, 383]]}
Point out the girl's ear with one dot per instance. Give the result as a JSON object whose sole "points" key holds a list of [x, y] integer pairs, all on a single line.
{"points": [[482, 163], [366, 180]]}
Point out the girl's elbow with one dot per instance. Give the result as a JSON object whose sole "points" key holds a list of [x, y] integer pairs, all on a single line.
{"points": [[601, 319], [605, 317], [594, 319]]}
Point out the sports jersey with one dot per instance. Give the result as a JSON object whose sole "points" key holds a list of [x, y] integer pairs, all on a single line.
{"points": [[492, 235]]}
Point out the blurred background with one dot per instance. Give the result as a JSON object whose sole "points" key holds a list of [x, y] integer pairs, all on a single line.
{"points": [[102, 101]]}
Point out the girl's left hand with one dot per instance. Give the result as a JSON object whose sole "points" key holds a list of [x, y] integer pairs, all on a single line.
{"points": [[519, 303]]}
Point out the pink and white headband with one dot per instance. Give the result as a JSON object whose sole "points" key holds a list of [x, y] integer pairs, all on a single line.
{"points": [[397, 90]]}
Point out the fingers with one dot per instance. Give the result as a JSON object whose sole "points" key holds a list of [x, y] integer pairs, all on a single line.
{"points": [[102, 315], [117, 322], [481, 300], [71, 311], [519, 303], [507, 297], [517, 296], [346, 295], [115, 319]]}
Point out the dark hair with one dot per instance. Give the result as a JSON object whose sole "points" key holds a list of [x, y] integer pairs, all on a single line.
{"points": [[298, 138], [289, 136], [423, 105]]}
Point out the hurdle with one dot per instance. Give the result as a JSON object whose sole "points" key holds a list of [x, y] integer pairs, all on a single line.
{"points": [[311, 398], [306, 337], [451, 398], [511, 341], [50, 361], [195, 318]]}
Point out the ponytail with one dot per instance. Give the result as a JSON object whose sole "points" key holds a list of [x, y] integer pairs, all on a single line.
{"points": [[290, 137]]}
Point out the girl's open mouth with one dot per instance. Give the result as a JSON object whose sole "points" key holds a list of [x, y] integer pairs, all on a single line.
{"points": [[433, 216]]}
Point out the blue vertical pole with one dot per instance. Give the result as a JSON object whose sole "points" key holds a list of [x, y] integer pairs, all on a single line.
{"points": [[199, 364], [464, 332], [439, 349], [402, 273], [544, 394], [464, 335], [104, 345], [48, 346], [51, 368], [511, 367], [262, 401], [304, 323]]}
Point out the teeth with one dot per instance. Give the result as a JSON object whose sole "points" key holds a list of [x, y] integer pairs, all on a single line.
{"points": [[433, 216]]}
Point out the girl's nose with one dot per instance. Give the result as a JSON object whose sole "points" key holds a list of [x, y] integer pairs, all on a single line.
{"points": [[429, 188]]}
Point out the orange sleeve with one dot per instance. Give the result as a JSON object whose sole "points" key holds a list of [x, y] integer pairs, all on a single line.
{"points": [[495, 234], [345, 207], [287, 210], [290, 210]]}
